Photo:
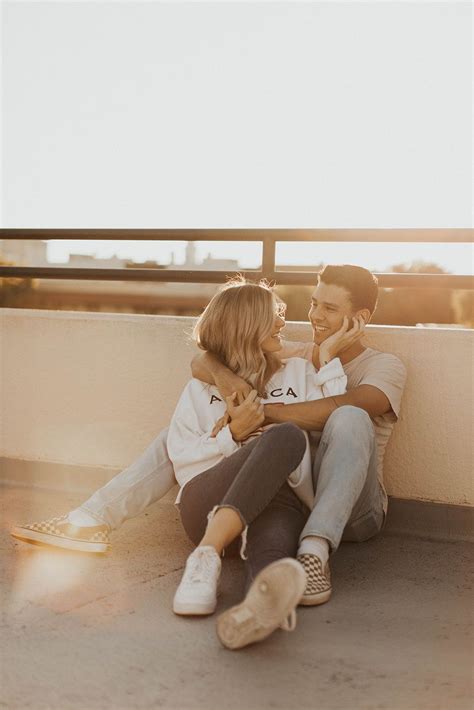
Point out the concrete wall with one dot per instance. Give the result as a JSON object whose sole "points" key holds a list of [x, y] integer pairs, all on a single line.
{"points": [[93, 390]]}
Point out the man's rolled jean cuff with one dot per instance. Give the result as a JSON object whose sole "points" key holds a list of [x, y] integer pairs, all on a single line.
{"points": [[364, 528]]}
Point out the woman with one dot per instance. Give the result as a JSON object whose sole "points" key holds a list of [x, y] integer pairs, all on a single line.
{"points": [[225, 484]]}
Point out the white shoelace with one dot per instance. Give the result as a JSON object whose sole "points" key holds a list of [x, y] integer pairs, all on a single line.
{"points": [[201, 568]]}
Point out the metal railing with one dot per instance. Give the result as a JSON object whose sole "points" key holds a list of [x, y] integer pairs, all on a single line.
{"points": [[267, 237]]}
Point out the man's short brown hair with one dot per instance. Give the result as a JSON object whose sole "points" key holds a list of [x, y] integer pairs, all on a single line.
{"points": [[361, 284]]}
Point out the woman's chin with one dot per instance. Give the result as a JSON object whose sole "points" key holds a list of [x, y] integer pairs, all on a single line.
{"points": [[273, 347]]}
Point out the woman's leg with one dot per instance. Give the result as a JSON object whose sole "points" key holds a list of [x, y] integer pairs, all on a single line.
{"points": [[228, 497], [224, 526], [242, 485]]}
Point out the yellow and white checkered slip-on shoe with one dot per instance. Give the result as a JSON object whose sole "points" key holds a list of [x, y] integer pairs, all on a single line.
{"points": [[318, 581], [60, 533], [269, 605]]}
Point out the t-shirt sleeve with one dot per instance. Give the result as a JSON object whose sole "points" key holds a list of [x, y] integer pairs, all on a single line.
{"points": [[296, 349], [388, 374]]}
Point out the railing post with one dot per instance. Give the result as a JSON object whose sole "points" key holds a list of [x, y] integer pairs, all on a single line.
{"points": [[268, 256]]}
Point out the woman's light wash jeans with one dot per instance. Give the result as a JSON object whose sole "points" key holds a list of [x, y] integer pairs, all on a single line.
{"points": [[349, 500]]}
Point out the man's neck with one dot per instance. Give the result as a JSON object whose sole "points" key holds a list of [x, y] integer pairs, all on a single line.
{"points": [[351, 353]]}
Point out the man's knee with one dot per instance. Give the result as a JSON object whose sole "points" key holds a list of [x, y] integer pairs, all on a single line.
{"points": [[349, 421]]}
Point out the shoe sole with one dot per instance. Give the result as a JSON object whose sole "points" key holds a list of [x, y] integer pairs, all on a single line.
{"points": [[315, 599], [193, 608], [38, 538], [236, 627]]}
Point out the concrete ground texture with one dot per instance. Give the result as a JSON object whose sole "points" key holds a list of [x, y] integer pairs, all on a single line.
{"points": [[89, 632]]}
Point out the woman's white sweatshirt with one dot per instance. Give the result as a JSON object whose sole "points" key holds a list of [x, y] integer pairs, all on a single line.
{"points": [[193, 450]]}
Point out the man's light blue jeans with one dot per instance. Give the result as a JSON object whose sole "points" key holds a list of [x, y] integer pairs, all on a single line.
{"points": [[349, 500], [132, 490]]}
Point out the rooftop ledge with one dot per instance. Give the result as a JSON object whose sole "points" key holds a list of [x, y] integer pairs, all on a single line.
{"points": [[83, 394]]}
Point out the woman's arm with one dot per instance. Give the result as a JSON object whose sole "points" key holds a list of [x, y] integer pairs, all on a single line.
{"points": [[191, 446]]}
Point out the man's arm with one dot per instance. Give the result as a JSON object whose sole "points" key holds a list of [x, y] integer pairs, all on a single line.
{"points": [[208, 368], [312, 416]]}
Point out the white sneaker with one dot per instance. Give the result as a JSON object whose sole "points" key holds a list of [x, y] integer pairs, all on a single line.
{"points": [[270, 604], [197, 592]]}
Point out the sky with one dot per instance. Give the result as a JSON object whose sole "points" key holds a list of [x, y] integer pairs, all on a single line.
{"points": [[243, 114]]}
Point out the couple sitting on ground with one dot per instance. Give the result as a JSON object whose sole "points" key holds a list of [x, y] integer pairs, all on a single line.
{"points": [[239, 449]]}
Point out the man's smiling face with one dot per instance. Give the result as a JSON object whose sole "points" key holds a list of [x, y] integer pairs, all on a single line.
{"points": [[329, 305]]}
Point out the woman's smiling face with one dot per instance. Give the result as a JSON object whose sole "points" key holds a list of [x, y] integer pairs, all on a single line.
{"points": [[272, 342]]}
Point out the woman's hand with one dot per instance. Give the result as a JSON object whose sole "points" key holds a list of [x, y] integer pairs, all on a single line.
{"points": [[342, 339], [246, 414], [220, 424]]}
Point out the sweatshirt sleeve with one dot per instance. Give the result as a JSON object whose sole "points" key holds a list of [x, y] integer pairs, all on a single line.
{"points": [[191, 448], [330, 380]]}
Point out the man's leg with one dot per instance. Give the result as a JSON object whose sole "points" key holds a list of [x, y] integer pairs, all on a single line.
{"points": [[275, 533], [132, 490], [145, 481], [348, 501], [344, 476]]}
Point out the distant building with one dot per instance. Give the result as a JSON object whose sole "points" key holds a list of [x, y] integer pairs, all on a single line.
{"points": [[207, 264], [25, 252], [87, 261], [102, 295]]}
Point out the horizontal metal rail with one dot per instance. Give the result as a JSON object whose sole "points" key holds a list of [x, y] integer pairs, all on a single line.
{"points": [[301, 278], [268, 238], [248, 235]]}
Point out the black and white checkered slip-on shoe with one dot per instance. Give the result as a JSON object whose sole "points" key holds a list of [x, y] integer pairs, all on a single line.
{"points": [[270, 604], [60, 533], [318, 581]]}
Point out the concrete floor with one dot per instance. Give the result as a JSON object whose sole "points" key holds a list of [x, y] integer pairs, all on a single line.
{"points": [[87, 632]]}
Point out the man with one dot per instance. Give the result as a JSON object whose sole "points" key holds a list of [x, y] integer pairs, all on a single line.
{"points": [[353, 430]]}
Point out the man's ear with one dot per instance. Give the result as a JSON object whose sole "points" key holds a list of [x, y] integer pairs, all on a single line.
{"points": [[365, 313]]}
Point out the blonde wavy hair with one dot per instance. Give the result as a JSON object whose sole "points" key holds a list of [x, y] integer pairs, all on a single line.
{"points": [[234, 325]]}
